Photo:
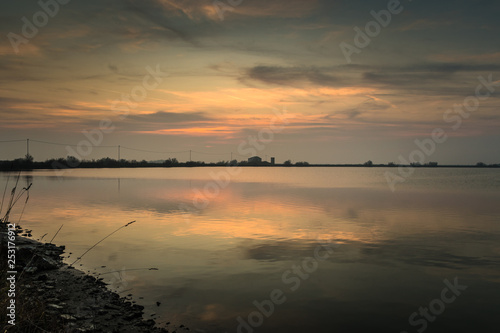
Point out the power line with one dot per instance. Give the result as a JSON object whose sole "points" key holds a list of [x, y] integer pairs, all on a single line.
{"points": [[53, 143], [12, 141], [70, 145], [124, 147]]}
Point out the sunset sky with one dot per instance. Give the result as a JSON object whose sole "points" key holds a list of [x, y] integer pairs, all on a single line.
{"points": [[224, 72]]}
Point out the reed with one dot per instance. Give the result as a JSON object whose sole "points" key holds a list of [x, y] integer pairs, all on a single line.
{"points": [[31, 313], [93, 246], [14, 199]]}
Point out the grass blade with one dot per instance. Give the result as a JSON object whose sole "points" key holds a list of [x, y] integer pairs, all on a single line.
{"points": [[80, 257]]}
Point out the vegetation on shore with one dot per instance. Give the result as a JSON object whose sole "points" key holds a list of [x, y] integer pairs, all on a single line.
{"points": [[27, 163], [39, 293], [31, 312]]}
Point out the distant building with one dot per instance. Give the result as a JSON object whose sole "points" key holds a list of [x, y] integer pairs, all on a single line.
{"points": [[272, 160], [255, 159]]}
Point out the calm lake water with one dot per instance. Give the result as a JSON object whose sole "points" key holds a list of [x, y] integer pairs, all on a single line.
{"points": [[226, 249]]}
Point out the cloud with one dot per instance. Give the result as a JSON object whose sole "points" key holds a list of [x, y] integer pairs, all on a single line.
{"points": [[441, 78], [290, 76], [29, 49], [163, 117], [426, 24], [192, 9], [209, 9], [185, 20], [277, 8], [405, 79], [6, 102], [113, 68], [174, 123], [468, 58], [450, 67], [366, 108], [420, 76], [160, 18]]}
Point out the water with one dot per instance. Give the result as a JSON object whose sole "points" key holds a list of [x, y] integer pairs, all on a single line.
{"points": [[246, 239]]}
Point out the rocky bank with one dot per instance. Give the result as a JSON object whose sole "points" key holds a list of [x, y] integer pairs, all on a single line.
{"points": [[53, 297]]}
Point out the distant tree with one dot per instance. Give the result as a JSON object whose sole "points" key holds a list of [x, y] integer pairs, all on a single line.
{"points": [[171, 162], [391, 164], [287, 163], [416, 164], [368, 163], [302, 164], [432, 164], [72, 161], [28, 158], [194, 163], [480, 164], [106, 162]]}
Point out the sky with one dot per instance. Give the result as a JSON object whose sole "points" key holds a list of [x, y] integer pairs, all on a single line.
{"points": [[321, 81]]}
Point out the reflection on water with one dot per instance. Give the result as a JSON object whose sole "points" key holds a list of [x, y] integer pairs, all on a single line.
{"points": [[393, 250]]}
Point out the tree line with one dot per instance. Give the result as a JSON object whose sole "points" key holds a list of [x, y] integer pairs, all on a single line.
{"points": [[28, 163]]}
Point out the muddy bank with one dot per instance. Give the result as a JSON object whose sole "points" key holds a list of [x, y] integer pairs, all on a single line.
{"points": [[54, 297]]}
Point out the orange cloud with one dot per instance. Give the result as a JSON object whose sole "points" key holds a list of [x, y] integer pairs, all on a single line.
{"points": [[254, 98], [28, 49], [193, 131]]}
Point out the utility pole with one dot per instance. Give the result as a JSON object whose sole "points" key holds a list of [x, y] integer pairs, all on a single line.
{"points": [[119, 153], [27, 147], [231, 157], [189, 155]]}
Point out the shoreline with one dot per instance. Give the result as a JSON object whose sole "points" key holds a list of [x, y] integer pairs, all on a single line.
{"points": [[51, 294], [381, 166]]}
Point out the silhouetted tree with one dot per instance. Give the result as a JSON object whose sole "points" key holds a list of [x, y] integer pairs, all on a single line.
{"points": [[287, 163], [368, 163], [171, 162], [72, 161]]}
